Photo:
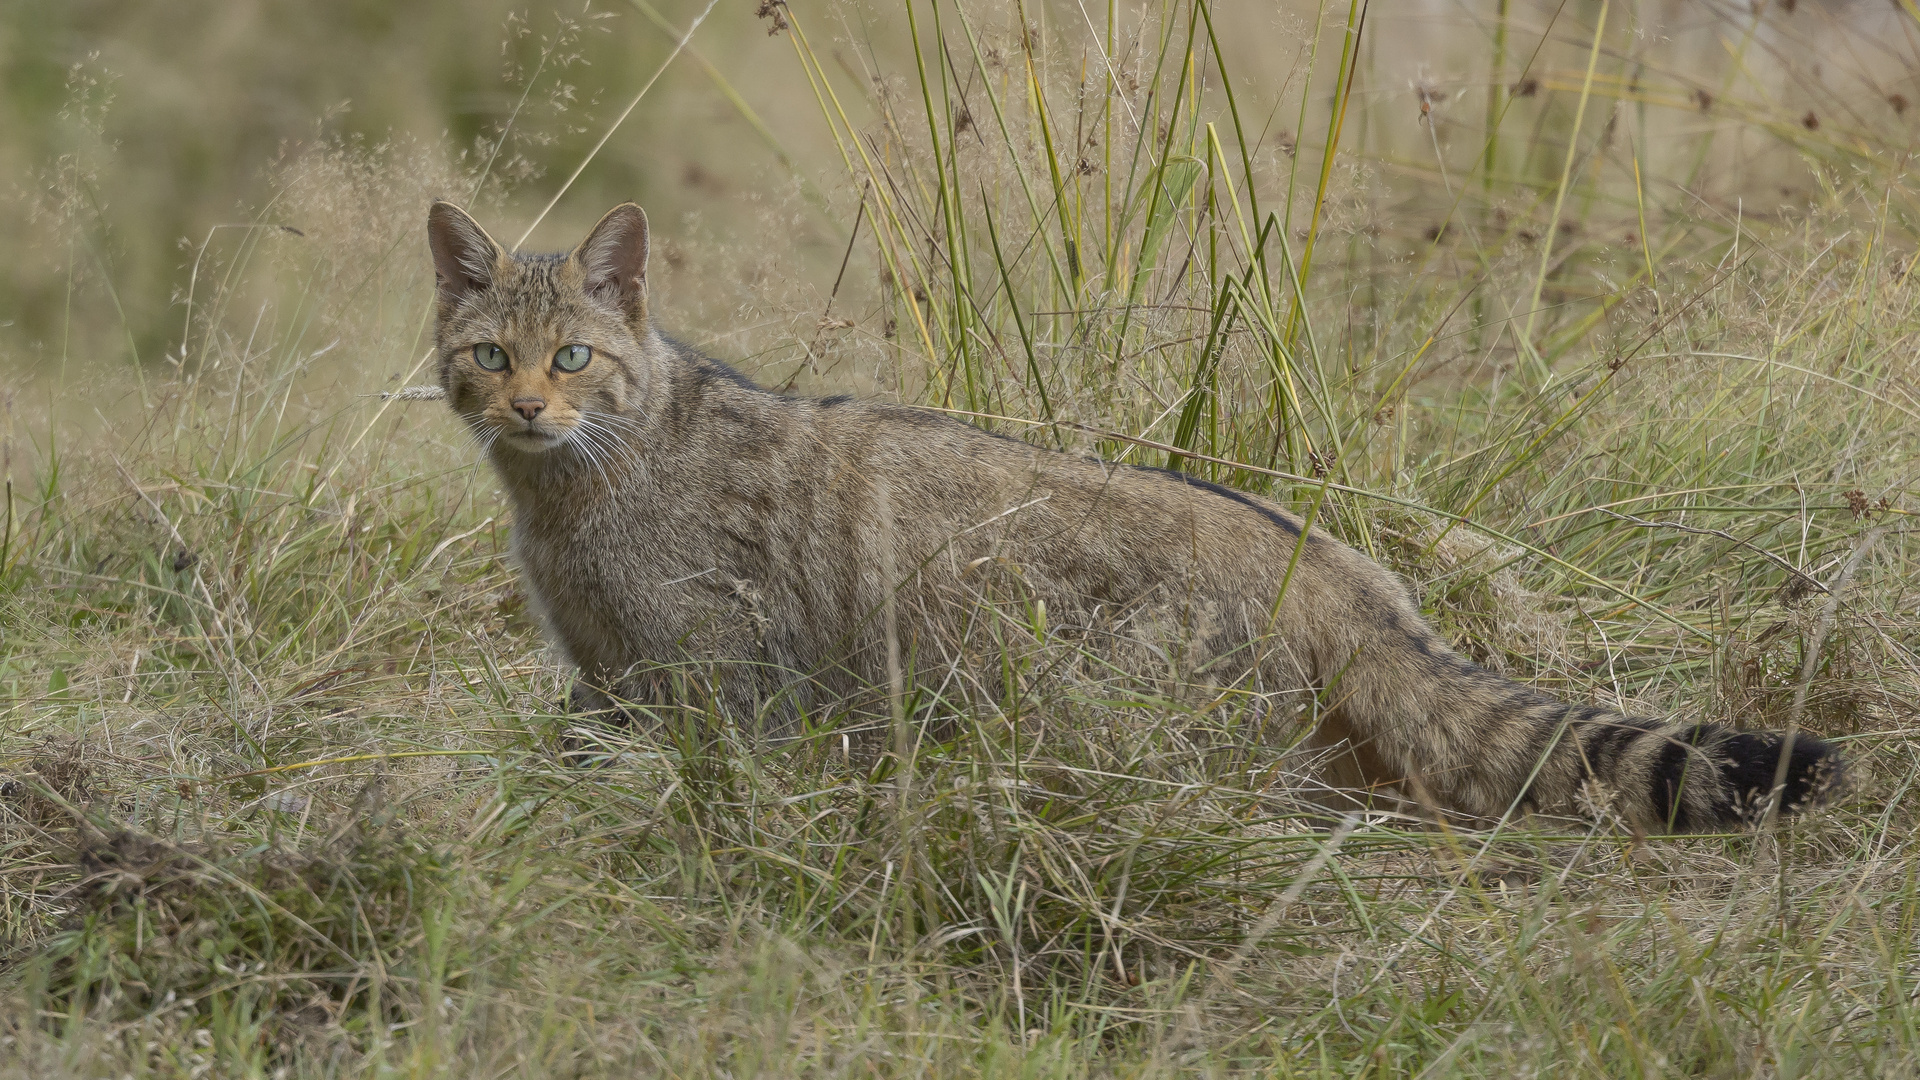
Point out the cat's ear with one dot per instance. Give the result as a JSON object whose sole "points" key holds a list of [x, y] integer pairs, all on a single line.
{"points": [[614, 257], [465, 258]]}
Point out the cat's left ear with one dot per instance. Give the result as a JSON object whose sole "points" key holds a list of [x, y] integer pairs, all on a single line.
{"points": [[614, 257]]}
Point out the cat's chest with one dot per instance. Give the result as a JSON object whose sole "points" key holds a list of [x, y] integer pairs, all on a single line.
{"points": [[612, 559], [582, 554]]}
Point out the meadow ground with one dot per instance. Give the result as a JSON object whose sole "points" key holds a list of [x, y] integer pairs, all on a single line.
{"points": [[1607, 346]]}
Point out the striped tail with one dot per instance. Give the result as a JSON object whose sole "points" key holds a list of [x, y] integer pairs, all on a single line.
{"points": [[1405, 709], [1410, 712], [1693, 777]]}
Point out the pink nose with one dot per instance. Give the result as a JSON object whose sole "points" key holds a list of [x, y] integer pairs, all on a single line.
{"points": [[529, 407]]}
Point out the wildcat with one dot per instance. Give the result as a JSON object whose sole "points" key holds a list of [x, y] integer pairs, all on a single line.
{"points": [[665, 508]]}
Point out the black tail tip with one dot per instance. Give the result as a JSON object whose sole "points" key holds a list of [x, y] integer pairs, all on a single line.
{"points": [[1751, 765]]}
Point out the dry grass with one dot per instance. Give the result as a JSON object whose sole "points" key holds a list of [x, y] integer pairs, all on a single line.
{"points": [[282, 792]]}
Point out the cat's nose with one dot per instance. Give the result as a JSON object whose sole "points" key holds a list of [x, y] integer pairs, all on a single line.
{"points": [[529, 407]]}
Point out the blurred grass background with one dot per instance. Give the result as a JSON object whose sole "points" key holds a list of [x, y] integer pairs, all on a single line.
{"points": [[130, 130], [1592, 318]]}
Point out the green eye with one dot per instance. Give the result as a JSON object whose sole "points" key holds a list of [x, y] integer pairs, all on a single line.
{"points": [[572, 357], [490, 356]]}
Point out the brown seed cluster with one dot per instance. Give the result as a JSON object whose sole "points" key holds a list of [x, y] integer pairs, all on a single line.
{"points": [[770, 10]]}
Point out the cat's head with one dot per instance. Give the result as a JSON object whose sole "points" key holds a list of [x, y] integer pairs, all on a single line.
{"points": [[539, 351]]}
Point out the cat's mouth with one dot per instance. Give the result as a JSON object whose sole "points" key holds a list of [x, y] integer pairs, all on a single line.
{"points": [[533, 440]]}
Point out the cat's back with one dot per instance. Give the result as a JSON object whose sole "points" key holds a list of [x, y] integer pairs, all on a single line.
{"points": [[730, 439]]}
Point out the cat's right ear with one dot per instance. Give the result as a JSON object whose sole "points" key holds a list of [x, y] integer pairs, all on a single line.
{"points": [[465, 258]]}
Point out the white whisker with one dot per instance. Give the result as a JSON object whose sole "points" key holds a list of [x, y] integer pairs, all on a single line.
{"points": [[592, 446], [607, 429], [611, 446], [483, 435], [596, 454]]}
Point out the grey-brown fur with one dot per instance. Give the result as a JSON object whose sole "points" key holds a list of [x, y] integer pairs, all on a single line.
{"points": [[666, 509]]}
